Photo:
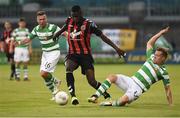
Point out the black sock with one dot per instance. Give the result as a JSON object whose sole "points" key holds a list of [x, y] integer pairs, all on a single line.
{"points": [[70, 83], [12, 69], [97, 85]]}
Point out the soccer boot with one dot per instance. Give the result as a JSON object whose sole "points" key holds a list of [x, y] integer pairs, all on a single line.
{"points": [[74, 101], [93, 99], [17, 78], [106, 103], [26, 79], [53, 94]]}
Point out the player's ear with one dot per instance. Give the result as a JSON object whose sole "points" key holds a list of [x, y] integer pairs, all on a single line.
{"points": [[37, 19]]}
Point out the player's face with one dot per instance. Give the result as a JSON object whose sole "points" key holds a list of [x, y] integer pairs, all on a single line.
{"points": [[159, 58], [42, 20], [7, 25], [76, 16], [22, 24]]}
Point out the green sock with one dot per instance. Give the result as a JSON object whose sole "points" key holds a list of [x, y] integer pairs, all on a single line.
{"points": [[117, 103], [18, 71], [25, 72], [104, 86], [49, 83]]}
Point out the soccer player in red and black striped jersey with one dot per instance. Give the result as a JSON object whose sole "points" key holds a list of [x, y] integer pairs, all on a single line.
{"points": [[79, 30], [5, 46]]}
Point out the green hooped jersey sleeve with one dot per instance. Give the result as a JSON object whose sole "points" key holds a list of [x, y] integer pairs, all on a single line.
{"points": [[149, 53], [45, 36], [150, 73]]}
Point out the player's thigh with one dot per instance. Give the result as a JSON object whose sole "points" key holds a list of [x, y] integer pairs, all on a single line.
{"points": [[71, 63], [123, 82], [18, 54], [133, 92], [25, 55], [49, 61], [86, 63]]}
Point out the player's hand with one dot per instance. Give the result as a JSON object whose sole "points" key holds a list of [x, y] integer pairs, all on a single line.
{"points": [[16, 43], [121, 53], [165, 30], [55, 39]]}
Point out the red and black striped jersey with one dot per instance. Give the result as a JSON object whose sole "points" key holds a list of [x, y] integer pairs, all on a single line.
{"points": [[79, 35], [6, 38]]}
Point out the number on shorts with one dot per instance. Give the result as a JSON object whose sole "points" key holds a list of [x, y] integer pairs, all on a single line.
{"points": [[47, 65], [135, 95]]}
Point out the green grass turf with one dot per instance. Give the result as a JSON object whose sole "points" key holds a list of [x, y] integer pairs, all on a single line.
{"points": [[31, 98]]}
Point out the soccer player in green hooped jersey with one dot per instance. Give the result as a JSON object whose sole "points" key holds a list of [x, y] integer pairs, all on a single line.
{"points": [[22, 52], [51, 52], [151, 72]]}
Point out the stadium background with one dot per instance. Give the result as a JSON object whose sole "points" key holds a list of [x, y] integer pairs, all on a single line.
{"points": [[145, 17]]}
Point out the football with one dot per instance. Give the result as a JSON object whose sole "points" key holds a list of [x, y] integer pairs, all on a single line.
{"points": [[61, 98]]}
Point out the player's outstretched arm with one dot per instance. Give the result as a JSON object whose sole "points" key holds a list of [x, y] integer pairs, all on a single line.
{"points": [[152, 40], [55, 37], [109, 42], [169, 95]]}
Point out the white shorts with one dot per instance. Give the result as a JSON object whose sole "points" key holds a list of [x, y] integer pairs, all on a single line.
{"points": [[131, 89], [21, 54], [49, 60]]}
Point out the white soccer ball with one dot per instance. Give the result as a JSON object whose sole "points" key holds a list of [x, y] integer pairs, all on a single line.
{"points": [[61, 98]]}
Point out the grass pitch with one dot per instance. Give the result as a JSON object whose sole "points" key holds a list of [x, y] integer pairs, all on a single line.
{"points": [[31, 99]]}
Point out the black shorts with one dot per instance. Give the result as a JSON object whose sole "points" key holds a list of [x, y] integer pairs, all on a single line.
{"points": [[10, 56], [85, 61]]}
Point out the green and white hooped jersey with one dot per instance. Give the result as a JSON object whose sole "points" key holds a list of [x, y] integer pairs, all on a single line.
{"points": [[20, 34], [150, 73], [45, 36]]}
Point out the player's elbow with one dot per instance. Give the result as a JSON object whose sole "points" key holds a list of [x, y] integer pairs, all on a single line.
{"points": [[149, 45]]}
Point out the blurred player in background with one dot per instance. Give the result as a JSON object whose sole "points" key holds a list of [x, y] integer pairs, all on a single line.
{"points": [[79, 30], [5, 46], [44, 31], [22, 52], [152, 71]]}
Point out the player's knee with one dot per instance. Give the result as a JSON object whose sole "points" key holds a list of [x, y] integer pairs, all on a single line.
{"points": [[112, 78], [44, 74], [69, 70], [123, 100]]}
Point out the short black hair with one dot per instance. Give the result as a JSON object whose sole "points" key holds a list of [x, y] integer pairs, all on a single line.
{"points": [[21, 19], [40, 13], [76, 8]]}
